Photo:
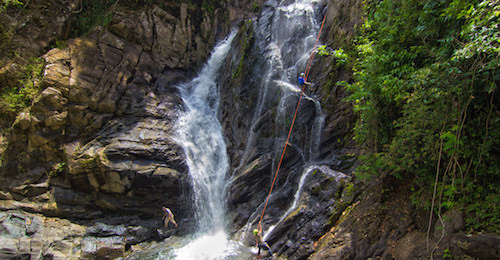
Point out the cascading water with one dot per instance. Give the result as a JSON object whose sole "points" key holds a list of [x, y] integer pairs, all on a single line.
{"points": [[286, 33], [200, 134], [293, 28]]}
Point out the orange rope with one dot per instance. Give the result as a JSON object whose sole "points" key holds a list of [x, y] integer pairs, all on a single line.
{"points": [[308, 67], [291, 126]]}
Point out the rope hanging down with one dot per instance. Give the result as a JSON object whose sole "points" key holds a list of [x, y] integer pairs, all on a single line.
{"points": [[293, 122]]}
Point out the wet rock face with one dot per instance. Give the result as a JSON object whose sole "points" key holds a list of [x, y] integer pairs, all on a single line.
{"points": [[256, 123], [322, 199], [255, 141]]}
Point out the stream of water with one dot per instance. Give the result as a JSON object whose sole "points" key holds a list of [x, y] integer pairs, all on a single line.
{"points": [[286, 34], [201, 136], [287, 31]]}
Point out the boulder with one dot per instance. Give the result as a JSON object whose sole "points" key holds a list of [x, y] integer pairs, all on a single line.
{"points": [[52, 98], [57, 120], [477, 246], [28, 236], [23, 121], [102, 247], [412, 246]]}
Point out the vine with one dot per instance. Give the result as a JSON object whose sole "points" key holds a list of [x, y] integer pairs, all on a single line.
{"points": [[425, 93]]}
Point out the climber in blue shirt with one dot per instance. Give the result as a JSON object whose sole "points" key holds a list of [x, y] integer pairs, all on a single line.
{"points": [[303, 81]]}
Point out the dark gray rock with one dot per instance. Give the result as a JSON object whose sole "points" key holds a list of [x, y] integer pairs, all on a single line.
{"points": [[478, 246], [102, 128]]}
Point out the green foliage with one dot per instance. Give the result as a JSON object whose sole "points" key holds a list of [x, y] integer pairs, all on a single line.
{"points": [[256, 7], [16, 98], [210, 5], [61, 44], [246, 44], [349, 189], [340, 56], [6, 3], [57, 169], [94, 13], [322, 51], [482, 206], [447, 254], [425, 92]]}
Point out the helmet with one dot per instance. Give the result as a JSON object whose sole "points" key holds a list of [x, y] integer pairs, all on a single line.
{"points": [[302, 74], [255, 231]]}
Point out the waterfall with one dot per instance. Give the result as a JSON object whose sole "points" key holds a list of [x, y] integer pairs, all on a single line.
{"points": [[285, 33], [200, 134], [296, 198], [316, 129]]}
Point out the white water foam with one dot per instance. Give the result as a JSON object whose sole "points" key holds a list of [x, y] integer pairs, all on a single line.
{"points": [[200, 134], [211, 246]]}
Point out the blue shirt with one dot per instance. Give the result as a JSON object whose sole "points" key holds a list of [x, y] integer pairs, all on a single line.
{"points": [[302, 81]]}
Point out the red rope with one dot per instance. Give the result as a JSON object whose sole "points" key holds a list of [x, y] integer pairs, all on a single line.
{"points": [[291, 126], [308, 67]]}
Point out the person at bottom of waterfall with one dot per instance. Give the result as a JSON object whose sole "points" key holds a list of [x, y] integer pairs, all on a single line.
{"points": [[261, 243], [168, 216], [303, 82]]}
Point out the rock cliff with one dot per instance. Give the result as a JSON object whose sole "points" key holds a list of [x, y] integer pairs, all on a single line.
{"points": [[97, 142], [257, 125], [87, 167]]}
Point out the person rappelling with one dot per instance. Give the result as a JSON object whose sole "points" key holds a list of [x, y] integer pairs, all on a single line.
{"points": [[303, 82], [261, 244]]}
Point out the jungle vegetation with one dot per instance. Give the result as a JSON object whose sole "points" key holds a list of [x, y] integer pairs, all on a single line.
{"points": [[425, 91]]}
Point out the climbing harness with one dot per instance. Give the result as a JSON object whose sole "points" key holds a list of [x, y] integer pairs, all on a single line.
{"points": [[293, 122]]}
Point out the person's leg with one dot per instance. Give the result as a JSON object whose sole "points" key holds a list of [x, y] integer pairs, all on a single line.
{"points": [[269, 249], [165, 223]]}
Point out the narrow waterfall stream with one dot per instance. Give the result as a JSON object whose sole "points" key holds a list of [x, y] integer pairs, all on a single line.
{"points": [[200, 134], [286, 32]]}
